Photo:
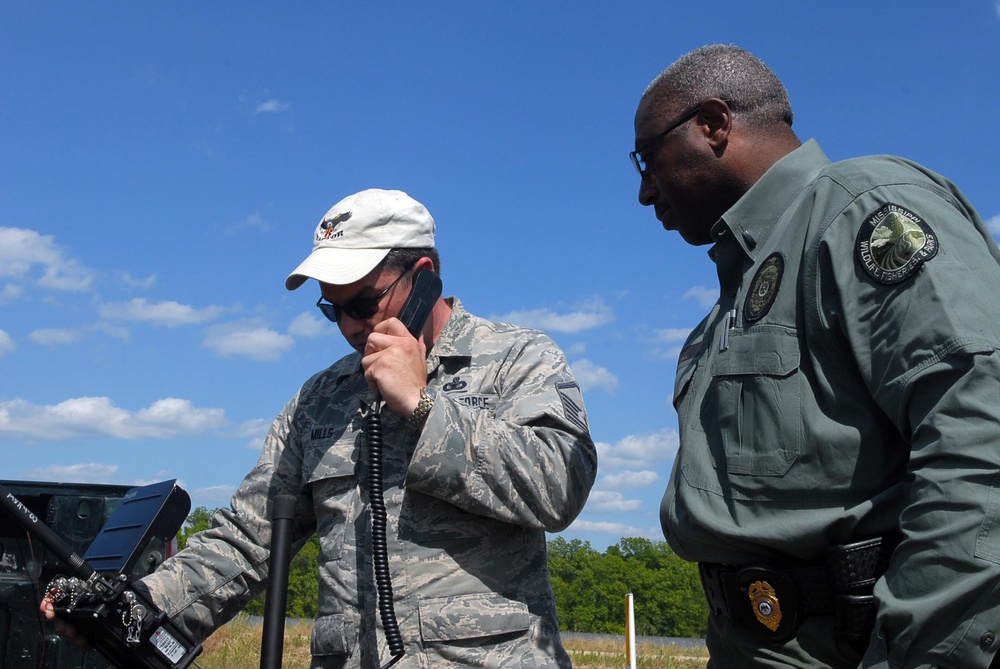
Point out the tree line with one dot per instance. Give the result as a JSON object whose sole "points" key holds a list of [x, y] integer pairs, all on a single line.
{"points": [[589, 586]]}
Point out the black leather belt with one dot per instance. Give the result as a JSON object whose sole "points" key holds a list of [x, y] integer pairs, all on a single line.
{"points": [[774, 599]]}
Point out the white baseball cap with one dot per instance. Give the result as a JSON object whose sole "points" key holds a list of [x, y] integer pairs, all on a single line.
{"points": [[357, 234]]}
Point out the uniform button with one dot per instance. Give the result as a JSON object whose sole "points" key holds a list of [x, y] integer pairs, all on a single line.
{"points": [[987, 640]]}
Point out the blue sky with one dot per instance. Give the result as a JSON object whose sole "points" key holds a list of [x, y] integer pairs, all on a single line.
{"points": [[163, 165]]}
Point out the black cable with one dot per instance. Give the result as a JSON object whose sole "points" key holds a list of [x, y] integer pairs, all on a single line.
{"points": [[380, 550]]}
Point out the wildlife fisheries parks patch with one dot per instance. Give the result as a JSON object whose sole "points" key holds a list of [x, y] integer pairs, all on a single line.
{"points": [[893, 242]]}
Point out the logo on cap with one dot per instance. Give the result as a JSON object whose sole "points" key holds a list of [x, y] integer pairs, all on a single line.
{"points": [[329, 226]]}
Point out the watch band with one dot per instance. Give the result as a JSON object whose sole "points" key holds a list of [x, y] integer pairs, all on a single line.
{"points": [[423, 408]]}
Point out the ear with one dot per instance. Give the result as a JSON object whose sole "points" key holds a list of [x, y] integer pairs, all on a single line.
{"points": [[716, 122], [423, 263]]}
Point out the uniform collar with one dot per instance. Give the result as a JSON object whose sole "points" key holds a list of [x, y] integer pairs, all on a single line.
{"points": [[751, 220], [457, 336]]}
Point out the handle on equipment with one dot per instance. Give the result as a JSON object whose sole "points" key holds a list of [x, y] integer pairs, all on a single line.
{"points": [[272, 644]]}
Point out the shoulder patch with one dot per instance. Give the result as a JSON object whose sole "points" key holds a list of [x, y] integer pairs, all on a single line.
{"points": [[764, 287], [892, 244], [572, 400]]}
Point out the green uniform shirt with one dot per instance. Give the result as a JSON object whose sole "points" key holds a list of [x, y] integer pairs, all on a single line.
{"points": [[846, 386], [504, 455]]}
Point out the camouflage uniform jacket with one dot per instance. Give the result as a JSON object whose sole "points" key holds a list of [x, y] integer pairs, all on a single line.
{"points": [[504, 456]]}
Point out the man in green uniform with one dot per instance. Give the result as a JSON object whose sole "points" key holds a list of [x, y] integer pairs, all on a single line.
{"points": [[838, 479], [485, 448]]}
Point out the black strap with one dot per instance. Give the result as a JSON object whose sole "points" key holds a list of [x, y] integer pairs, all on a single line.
{"points": [[841, 585]]}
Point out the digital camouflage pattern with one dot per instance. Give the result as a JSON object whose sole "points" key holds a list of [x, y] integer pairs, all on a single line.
{"points": [[469, 498], [855, 405]]}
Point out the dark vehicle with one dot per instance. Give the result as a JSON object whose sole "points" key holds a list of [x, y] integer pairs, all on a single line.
{"points": [[75, 512]]}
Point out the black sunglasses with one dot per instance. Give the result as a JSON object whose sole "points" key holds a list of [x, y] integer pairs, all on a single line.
{"points": [[358, 307]]}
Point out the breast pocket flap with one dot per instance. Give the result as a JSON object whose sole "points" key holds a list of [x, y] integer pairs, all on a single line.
{"points": [[471, 616]]}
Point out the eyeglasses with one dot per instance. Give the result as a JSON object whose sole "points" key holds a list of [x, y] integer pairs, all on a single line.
{"points": [[358, 307], [639, 162]]}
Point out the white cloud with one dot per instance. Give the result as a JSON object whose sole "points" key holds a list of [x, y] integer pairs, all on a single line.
{"points": [[165, 314], [308, 325], [588, 315], [592, 376], [89, 416], [133, 282], [256, 428], [670, 335], [113, 331], [248, 340], [704, 295], [639, 450], [216, 496], [6, 343], [54, 336], [610, 500], [10, 292], [253, 221], [254, 431], [667, 343], [22, 250], [616, 529], [994, 223], [271, 106], [89, 472], [630, 479]]}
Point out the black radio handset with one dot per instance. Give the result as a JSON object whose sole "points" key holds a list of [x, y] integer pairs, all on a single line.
{"points": [[425, 291], [423, 296]]}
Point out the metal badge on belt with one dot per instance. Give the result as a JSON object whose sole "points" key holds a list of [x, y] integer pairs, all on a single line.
{"points": [[773, 600]]}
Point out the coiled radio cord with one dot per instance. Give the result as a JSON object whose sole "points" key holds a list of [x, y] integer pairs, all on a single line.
{"points": [[380, 550]]}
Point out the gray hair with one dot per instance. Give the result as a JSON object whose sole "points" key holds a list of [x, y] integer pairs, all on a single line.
{"points": [[727, 72]]}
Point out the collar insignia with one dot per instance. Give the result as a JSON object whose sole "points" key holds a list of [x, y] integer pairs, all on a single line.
{"points": [[893, 243], [764, 288]]}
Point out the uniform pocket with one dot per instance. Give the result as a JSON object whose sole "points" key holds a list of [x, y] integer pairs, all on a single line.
{"points": [[988, 540], [756, 398], [471, 616], [329, 636], [330, 469]]}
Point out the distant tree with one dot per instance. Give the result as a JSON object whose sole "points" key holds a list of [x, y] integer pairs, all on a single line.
{"points": [[590, 588], [667, 592], [197, 520]]}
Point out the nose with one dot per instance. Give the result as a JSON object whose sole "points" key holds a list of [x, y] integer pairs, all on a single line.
{"points": [[648, 193], [350, 327]]}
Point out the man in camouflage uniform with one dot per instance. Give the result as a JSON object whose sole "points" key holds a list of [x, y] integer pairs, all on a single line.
{"points": [[839, 408], [486, 448]]}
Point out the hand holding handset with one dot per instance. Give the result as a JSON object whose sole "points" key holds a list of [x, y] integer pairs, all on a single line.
{"points": [[424, 294]]}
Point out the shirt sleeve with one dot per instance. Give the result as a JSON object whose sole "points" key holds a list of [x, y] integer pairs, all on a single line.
{"points": [[530, 461], [224, 567], [925, 340]]}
